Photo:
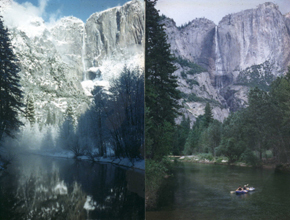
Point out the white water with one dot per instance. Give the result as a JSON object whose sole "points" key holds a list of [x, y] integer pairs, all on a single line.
{"points": [[218, 60]]}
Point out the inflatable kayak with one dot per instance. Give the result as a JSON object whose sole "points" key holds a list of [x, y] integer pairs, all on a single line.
{"points": [[238, 192], [251, 189]]}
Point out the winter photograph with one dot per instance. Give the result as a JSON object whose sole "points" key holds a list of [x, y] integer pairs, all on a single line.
{"points": [[217, 107], [72, 109]]}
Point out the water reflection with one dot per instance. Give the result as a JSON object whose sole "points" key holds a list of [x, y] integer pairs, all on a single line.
{"points": [[202, 191], [45, 188]]}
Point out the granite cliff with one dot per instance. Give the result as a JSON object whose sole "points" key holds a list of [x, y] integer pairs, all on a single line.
{"points": [[246, 49]]}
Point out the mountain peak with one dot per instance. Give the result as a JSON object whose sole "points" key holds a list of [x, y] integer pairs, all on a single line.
{"points": [[268, 5]]}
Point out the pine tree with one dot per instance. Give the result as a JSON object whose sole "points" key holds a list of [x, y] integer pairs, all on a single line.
{"points": [[10, 92], [50, 120], [30, 113], [208, 117], [69, 114], [162, 96]]}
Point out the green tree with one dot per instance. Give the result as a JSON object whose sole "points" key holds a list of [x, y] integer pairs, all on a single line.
{"points": [[233, 135], [180, 135], [192, 140], [10, 92], [279, 118], [214, 136], [161, 95], [208, 116], [257, 120]]}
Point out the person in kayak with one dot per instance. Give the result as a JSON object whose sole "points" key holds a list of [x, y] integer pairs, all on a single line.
{"points": [[245, 187], [239, 189]]}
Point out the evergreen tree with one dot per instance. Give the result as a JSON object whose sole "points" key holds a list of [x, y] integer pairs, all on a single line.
{"points": [[10, 92], [214, 136], [180, 135], [69, 114], [162, 96], [50, 120], [30, 113], [208, 116]]}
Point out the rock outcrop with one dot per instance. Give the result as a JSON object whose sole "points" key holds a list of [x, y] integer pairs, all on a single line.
{"points": [[246, 49], [60, 64]]}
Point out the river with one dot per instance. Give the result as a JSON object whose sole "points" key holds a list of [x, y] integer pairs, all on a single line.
{"points": [[202, 191], [37, 187]]}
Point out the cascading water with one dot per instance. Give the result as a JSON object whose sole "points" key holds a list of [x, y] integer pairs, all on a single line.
{"points": [[218, 63], [218, 59], [84, 54]]}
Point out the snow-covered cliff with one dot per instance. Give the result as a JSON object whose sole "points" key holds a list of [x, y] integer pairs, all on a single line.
{"points": [[61, 63]]}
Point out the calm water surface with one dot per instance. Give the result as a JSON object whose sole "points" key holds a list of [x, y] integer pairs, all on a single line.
{"points": [[202, 191], [37, 187]]}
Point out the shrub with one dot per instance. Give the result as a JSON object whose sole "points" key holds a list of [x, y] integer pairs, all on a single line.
{"points": [[206, 156], [249, 157]]}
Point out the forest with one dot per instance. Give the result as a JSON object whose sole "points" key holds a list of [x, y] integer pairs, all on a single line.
{"points": [[113, 124], [253, 134]]}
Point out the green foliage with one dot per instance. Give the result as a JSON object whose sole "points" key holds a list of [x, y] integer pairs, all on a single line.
{"points": [[154, 176], [192, 141], [193, 98], [263, 127], [180, 136], [208, 116], [232, 149], [206, 156], [191, 82], [161, 93], [194, 68], [249, 157], [183, 74], [257, 76]]}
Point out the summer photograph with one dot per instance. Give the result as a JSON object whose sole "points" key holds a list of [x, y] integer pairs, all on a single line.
{"points": [[217, 109]]}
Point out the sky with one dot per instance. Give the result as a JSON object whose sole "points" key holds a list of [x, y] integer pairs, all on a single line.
{"points": [[183, 11], [54, 9]]}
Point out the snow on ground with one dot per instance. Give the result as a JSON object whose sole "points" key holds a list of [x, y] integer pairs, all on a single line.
{"points": [[61, 188], [125, 162], [90, 204], [88, 85]]}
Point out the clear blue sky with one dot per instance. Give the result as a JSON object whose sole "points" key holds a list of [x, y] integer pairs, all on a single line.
{"points": [[78, 8]]}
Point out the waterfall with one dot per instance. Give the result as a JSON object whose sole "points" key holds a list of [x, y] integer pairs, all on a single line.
{"points": [[84, 54], [218, 59]]}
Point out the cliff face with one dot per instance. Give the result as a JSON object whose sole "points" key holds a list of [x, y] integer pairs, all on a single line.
{"points": [[253, 37], [193, 42], [60, 64], [246, 49], [115, 33]]}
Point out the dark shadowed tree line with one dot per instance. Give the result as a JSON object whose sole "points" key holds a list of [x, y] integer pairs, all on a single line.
{"points": [[114, 124], [161, 99], [10, 90]]}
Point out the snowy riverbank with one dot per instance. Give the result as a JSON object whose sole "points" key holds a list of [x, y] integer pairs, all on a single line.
{"points": [[125, 162]]}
